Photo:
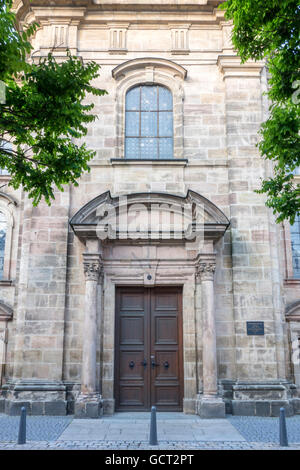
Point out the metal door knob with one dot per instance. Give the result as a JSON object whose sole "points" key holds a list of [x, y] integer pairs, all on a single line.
{"points": [[153, 363]]}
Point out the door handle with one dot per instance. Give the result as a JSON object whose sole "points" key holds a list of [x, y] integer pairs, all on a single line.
{"points": [[144, 363], [153, 363]]}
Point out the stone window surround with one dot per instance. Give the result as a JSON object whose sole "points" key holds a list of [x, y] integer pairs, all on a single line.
{"points": [[7, 204], [6, 315], [149, 71], [292, 313], [289, 274]]}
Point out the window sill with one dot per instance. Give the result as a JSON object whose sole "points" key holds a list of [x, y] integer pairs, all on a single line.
{"points": [[6, 282], [147, 162], [292, 281]]}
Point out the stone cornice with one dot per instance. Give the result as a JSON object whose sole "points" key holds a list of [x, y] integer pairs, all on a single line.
{"points": [[203, 11], [231, 66]]}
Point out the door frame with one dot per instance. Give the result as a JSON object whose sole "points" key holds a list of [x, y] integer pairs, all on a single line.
{"points": [[149, 382], [169, 272]]}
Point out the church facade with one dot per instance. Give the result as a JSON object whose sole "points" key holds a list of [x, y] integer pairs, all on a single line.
{"points": [[162, 279]]}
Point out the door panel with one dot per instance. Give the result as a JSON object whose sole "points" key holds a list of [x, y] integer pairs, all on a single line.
{"points": [[132, 342], [148, 328], [166, 348]]}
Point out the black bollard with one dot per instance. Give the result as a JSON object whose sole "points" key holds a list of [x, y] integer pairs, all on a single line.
{"points": [[282, 429], [22, 427], [153, 428]]}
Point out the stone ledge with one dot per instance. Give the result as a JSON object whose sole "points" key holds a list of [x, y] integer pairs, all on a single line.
{"points": [[257, 392], [36, 408], [147, 162], [265, 408]]}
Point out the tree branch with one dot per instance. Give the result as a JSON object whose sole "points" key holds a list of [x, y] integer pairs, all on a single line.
{"points": [[12, 153]]}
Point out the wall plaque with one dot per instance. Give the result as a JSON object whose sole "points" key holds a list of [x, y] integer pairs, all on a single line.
{"points": [[255, 328]]}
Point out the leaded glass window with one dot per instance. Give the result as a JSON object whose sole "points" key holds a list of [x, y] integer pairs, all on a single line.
{"points": [[149, 123], [3, 231], [295, 237], [6, 146]]}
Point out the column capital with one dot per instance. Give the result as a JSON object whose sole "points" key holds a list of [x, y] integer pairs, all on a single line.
{"points": [[92, 265], [206, 270], [205, 267]]}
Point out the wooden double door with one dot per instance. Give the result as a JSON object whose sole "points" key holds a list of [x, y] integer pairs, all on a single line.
{"points": [[148, 354]]}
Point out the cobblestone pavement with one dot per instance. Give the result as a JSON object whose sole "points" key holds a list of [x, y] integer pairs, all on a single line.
{"points": [[138, 445], [38, 428], [234, 433], [257, 429]]}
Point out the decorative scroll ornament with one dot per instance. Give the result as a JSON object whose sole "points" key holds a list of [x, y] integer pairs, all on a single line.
{"points": [[92, 270], [206, 271]]}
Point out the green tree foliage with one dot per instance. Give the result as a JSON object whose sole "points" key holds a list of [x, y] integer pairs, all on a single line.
{"points": [[43, 113], [270, 30]]}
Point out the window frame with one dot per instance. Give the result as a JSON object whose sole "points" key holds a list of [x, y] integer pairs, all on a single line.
{"points": [[6, 207], [4, 221], [157, 112], [296, 277], [149, 71]]}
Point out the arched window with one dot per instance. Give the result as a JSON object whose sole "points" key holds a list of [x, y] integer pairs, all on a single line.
{"points": [[295, 238], [149, 123], [8, 147], [3, 233]]}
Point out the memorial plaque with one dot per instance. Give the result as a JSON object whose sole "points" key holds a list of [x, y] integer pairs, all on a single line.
{"points": [[255, 328]]}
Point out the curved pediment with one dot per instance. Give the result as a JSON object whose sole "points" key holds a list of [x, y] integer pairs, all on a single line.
{"points": [[157, 63], [6, 312], [292, 311], [160, 214]]}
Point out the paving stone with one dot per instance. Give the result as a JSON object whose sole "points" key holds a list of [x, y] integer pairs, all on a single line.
{"points": [[39, 428], [49, 432]]}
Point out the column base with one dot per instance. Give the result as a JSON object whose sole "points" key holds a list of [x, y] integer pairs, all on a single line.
{"points": [[189, 406], [89, 406], [210, 408], [39, 397]]}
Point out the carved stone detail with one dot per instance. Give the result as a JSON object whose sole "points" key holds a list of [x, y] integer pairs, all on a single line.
{"points": [[206, 270], [92, 269]]}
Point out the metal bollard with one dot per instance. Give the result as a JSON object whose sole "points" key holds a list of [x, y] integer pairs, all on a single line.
{"points": [[282, 429], [22, 427], [153, 428]]}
